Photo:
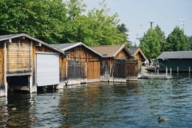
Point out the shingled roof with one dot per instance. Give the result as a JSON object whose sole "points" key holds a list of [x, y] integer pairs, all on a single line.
{"points": [[110, 51], [176, 55]]}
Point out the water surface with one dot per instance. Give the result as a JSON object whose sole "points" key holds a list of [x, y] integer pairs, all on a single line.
{"points": [[99, 105]]}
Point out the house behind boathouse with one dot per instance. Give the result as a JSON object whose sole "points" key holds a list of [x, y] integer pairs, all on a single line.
{"points": [[177, 60]]}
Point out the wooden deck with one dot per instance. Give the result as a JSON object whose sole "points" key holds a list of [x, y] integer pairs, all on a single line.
{"points": [[155, 76], [145, 75]]}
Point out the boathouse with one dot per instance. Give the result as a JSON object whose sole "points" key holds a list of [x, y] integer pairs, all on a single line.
{"points": [[114, 65], [138, 55], [82, 63], [178, 61], [27, 63]]}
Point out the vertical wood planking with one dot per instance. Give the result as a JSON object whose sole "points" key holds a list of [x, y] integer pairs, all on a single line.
{"points": [[2, 61]]}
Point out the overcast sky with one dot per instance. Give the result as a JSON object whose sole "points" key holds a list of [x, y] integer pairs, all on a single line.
{"points": [[136, 14]]}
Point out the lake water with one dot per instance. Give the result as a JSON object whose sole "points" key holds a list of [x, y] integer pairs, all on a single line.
{"points": [[103, 105]]}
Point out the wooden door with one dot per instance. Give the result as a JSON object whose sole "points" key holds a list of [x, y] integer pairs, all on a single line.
{"points": [[93, 70]]}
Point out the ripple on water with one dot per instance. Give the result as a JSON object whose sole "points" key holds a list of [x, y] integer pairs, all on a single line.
{"points": [[134, 104]]}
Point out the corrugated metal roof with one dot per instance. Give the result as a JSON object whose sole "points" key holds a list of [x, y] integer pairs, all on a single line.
{"points": [[132, 50], [67, 46], [5, 37], [110, 51], [12, 36], [176, 55], [63, 46]]}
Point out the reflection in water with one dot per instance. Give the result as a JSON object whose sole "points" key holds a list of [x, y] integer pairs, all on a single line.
{"points": [[16, 111], [134, 104]]}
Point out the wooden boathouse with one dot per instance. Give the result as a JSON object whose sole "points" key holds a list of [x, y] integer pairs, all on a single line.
{"points": [[82, 63], [27, 63], [116, 64], [138, 55], [178, 61]]}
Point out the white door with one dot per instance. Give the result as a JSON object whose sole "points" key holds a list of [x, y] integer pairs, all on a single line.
{"points": [[47, 72]]}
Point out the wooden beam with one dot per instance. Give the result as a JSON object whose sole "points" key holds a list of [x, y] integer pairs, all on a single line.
{"points": [[5, 70]]}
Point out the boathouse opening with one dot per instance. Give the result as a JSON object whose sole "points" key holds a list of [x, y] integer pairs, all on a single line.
{"points": [[105, 70], [18, 83]]}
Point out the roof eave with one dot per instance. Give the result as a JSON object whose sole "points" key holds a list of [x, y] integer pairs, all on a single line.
{"points": [[79, 44], [19, 35]]}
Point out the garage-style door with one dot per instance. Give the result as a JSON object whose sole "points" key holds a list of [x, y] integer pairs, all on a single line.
{"points": [[47, 72]]}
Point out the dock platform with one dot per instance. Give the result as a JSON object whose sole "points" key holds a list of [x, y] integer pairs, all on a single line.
{"points": [[145, 75]]}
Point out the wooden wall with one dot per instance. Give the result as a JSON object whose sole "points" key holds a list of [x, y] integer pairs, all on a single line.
{"points": [[131, 68], [2, 75], [110, 62], [123, 54], [139, 58], [91, 60], [19, 56], [93, 70]]}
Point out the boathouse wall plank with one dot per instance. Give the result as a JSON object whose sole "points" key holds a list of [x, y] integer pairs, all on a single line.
{"points": [[138, 57], [90, 60], [122, 54], [131, 68], [2, 75], [19, 56]]}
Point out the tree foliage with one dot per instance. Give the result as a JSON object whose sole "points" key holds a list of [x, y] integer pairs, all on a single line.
{"points": [[150, 44], [60, 21], [161, 38], [190, 42], [40, 19], [177, 40], [122, 29]]}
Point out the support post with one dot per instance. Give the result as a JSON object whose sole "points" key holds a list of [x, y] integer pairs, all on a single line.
{"points": [[189, 70], [170, 71], [166, 71], [5, 69], [177, 69], [30, 84], [155, 70]]}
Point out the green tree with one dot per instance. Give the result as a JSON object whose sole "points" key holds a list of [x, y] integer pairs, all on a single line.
{"points": [[40, 19], [177, 40], [161, 38], [190, 42], [122, 28], [149, 44], [103, 27], [74, 23]]}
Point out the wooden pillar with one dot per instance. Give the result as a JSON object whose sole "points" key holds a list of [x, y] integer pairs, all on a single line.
{"points": [[177, 69], [30, 84], [5, 70], [66, 64], [170, 71], [166, 71]]}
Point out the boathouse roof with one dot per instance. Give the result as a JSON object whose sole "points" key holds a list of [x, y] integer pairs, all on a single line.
{"points": [[12, 36], [176, 55], [109, 51], [135, 51], [66, 46]]}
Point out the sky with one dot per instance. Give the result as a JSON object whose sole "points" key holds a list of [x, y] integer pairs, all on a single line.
{"points": [[137, 15]]}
